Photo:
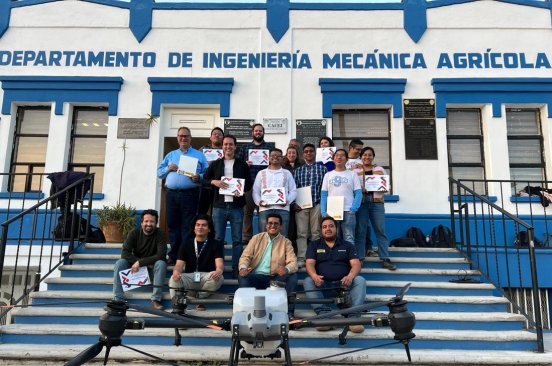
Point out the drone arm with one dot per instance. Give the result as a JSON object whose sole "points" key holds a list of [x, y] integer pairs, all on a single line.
{"points": [[375, 321], [138, 323]]}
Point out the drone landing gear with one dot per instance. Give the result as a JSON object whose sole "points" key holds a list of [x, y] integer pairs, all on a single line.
{"points": [[236, 347]]}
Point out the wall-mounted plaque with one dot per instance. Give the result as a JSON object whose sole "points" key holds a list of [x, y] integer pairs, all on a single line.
{"points": [[420, 139], [132, 128], [419, 108], [240, 128], [275, 125], [310, 130]]}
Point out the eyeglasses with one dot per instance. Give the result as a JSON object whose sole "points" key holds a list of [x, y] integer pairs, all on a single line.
{"points": [[184, 136], [270, 223]]}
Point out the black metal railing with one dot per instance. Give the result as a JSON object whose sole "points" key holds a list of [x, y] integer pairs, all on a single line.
{"points": [[36, 240], [489, 234]]}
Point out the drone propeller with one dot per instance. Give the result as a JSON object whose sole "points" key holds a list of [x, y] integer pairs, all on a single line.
{"points": [[194, 321], [402, 292], [87, 355]]}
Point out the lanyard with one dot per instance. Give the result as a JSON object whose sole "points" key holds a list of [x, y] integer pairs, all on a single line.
{"points": [[199, 254]]}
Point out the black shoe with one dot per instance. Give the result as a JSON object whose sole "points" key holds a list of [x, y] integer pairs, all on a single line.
{"points": [[157, 305], [388, 265]]}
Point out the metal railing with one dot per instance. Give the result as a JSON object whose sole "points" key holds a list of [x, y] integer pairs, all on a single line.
{"points": [[36, 240], [486, 233]]}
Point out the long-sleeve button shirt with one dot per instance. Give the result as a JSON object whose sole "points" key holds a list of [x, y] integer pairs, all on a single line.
{"points": [[273, 178], [311, 175], [243, 154], [179, 181]]}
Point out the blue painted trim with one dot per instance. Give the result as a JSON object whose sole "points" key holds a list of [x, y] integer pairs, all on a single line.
{"points": [[391, 198], [191, 91], [95, 196], [472, 198], [415, 18], [61, 89], [494, 91], [141, 12], [361, 91], [5, 12], [277, 18], [525, 199], [21, 195], [21, 3]]}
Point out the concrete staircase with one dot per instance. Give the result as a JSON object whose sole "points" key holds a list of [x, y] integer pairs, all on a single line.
{"points": [[460, 323]]}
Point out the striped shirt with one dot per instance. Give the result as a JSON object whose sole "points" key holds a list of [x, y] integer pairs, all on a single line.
{"points": [[311, 175]]}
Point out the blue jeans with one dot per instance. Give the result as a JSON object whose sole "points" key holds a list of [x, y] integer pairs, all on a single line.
{"points": [[346, 227], [235, 216], [285, 220], [181, 208], [371, 215], [357, 292], [159, 273], [262, 282]]}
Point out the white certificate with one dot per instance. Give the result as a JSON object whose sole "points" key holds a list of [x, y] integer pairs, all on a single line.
{"points": [[376, 183], [352, 164], [130, 280], [325, 154], [213, 154], [273, 196], [187, 166], [304, 197], [335, 207], [235, 185], [258, 157]]}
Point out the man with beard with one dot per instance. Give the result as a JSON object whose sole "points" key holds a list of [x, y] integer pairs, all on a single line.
{"points": [[333, 262], [145, 246], [257, 131]]}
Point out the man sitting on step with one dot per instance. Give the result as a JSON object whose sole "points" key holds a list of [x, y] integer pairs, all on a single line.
{"points": [[200, 261], [145, 246], [333, 262]]}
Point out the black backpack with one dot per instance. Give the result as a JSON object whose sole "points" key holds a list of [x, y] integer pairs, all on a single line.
{"points": [[403, 243], [62, 231], [418, 235], [522, 240], [441, 237]]}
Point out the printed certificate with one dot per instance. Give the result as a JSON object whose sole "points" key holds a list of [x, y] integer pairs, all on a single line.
{"points": [[258, 157], [335, 207], [325, 154], [130, 281], [376, 183], [235, 185], [304, 197], [273, 196], [187, 166], [213, 154]]}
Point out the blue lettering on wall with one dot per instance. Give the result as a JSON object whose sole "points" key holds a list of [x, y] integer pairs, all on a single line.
{"points": [[374, 60], [493, 60]]}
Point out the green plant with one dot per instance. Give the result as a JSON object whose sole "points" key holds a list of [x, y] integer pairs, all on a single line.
{"points": [[151, 119], [121, 214]]}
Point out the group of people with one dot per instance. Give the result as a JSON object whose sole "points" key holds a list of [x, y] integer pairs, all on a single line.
{"points": [[331, 249]]}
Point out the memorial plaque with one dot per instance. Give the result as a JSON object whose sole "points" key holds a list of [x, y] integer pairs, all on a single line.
{"points": [[240, 128], [275, 125], [310, 131], [420, 139], [132, 128], [419, 108]]}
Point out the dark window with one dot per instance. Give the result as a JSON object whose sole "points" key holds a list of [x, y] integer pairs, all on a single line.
{"points": [[88, 138]]}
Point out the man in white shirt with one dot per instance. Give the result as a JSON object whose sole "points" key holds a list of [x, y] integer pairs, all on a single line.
{"points": [[269, 179]]}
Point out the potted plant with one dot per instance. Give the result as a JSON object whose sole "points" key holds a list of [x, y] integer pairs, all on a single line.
{"points": [[116, 221]]}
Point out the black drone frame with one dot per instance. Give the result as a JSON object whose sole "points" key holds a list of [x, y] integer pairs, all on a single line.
{"points": [[114, 322]]}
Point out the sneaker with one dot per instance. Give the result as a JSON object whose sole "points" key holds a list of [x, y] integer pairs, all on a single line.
{"points": [[371, 253], [324, 328], [357, 328], [157, 305], [200, 307], [388, 265]]}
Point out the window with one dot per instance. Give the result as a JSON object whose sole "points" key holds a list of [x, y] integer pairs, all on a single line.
{"points": [[466, 158], [29, 148], [525, 145], [371, 126], [88, 137]]}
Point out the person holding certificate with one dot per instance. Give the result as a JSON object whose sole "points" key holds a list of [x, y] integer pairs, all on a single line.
{"points": [[200, 262], [372, 213], [212, 153], [326, 141], [228, 207], [258, 143], [182, 188], [341, 196], [145, 246], [308, 178], [273, 191]]}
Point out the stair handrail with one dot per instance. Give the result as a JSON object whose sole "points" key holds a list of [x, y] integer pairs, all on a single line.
{"points": [[464, 223], [75, 206]]}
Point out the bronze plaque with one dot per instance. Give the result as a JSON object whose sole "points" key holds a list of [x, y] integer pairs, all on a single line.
{"points": [[419, 108], [420, 139], [132, 128], [239, 128], [309, 131]]}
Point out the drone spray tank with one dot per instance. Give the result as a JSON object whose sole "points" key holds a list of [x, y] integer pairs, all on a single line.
{"points": [[259, 316]]}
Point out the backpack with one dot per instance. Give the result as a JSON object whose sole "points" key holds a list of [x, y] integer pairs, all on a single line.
{"points": [[418, 235], [403, 243], [63, 230], [441, 237], [522, 240]]}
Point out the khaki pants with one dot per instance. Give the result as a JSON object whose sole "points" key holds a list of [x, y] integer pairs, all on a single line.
{"points": [[308, 227], [187, 281]]}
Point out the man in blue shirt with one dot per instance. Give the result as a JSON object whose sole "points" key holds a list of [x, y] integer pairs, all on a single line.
{"points": [[182, 191], [333, 262]]}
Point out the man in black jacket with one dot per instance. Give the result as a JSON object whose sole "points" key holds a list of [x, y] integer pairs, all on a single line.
{"points": [[229, 208], [144, 247]]}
